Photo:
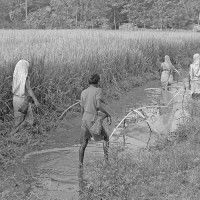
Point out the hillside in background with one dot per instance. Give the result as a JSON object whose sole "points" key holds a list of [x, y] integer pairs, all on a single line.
{"points": [[110, 14]]}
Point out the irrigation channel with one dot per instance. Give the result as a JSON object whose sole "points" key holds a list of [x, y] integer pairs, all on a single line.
{"points": [[149, 114]]}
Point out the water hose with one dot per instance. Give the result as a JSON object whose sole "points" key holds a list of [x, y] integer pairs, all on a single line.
{"points": [[120, 123], [132, 111], [141, 115], [65, 111], [137, 111]]}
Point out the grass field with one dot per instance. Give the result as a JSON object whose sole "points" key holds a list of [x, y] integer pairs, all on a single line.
{"points": [[62, 59], [60, 62], [168, 171]]}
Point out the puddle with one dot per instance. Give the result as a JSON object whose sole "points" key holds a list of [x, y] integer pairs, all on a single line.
{"points": [[58, 169], [57, 166]]}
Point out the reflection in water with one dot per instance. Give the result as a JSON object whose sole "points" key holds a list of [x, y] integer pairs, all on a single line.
{"points": [[82, 182], [59, 167], [58, 170]]}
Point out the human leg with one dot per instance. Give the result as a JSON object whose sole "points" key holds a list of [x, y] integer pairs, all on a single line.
{"points": [[20, 119], [18, 116], [105, 149], [85, 137], [105, 143], [82, 152]]}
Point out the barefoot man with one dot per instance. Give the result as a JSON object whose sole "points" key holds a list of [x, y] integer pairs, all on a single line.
{"points": [[91, 103]]}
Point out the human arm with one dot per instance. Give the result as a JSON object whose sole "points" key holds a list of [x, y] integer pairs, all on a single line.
{"points": [[101, 108], [105, 103], [82, 106], [189, 81], [82, 110], [30, 91], [160, 69], [173, 69], [190, 76]]}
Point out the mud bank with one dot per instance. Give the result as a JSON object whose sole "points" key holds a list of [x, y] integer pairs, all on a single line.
{"points": [[55, 165]]}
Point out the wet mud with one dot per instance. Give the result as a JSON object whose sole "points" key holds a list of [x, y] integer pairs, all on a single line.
{"points": [[56, 164]]}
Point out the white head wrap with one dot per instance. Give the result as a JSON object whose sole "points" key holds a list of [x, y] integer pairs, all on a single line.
{"points": [[168, 61], [196, 64], [19, 77]]}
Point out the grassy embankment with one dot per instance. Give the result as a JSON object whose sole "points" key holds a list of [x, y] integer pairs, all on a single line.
{"points": [[168, 171], [61, 61]]}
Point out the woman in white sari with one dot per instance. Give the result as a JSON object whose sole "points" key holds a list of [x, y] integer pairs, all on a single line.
{"points": [[167, 70], [166, 79], [194, 73], [21, 92]]}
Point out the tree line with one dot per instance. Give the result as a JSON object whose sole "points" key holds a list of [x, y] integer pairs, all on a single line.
{"points": [[156, 14]]}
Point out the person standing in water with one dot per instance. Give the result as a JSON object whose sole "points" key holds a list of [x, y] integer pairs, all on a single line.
{"points": [[167, 72], [91, 103], [21, 92], [194, 75], [166, 79]]}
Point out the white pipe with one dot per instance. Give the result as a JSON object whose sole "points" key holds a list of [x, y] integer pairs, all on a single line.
{"points": [[137, 111], [125, 118], [60, 118], [120, 123]]}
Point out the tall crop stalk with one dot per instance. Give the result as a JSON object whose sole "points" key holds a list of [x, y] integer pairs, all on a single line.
{"points": [[62, 59]]}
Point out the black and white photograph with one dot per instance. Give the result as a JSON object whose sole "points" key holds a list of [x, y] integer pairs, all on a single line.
{"points": [[99, 99]]}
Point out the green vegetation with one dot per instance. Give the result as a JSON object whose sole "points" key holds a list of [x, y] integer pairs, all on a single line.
{"points": [[169, 171]]}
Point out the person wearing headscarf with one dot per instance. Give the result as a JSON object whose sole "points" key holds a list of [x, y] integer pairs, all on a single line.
{"points": [[166, 78], [167, 72], [21, 92], [194, 74]]}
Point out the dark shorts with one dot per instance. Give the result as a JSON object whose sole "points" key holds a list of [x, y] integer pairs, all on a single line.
{"points": [[86, 133]]}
